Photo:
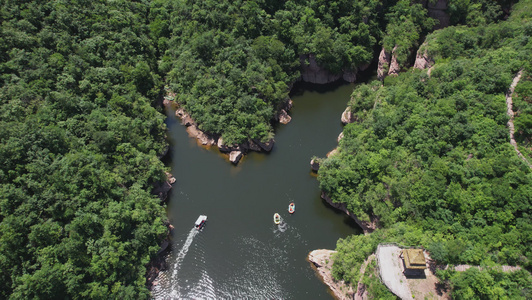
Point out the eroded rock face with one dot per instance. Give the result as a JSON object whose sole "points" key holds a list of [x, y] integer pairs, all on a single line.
{"points": [[347, 116], [423, 61], [394, 65], [384, 64], [313, 73]]}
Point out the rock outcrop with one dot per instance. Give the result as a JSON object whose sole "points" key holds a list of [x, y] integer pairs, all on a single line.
{"points": [[384, 64], [284, 118], [367, 227], [313, 73], [235, 151], [394, 64], [314, 165], [161, 189], [322, 261], [235, 156], [158, 264], [340, 137], [423, 60], [347, 116]]}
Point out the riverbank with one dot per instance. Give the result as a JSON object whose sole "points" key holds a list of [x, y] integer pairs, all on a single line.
{"points": [[322, 261]]}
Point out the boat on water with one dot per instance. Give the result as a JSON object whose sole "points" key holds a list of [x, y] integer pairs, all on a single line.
{"points": [[200, 222], [291, 208], [276, 219]]}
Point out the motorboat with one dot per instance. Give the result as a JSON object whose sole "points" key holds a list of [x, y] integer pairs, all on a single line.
{"points": [[291, 208], [276, 219], [200, 222]]}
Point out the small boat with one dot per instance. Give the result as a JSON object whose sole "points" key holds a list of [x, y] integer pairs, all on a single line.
{"points": [[291, 208], [276, 219], [200, 222]]}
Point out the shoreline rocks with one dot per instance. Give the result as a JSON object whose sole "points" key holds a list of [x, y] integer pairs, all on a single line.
{"points": [[322, 262], [367, 227], [162, 189]]}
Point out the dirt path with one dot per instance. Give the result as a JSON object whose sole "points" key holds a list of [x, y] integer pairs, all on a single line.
{"points": [[510, 113]]}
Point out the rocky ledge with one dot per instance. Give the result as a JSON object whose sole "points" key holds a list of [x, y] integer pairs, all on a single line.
{"points": [[322, 261], [367, 227], [235, 151]]}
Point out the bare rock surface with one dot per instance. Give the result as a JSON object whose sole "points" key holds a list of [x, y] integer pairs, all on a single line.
{"points": [[313, 73], [284, 118], [383, 64], [314, 165], [322, 261], [235, 156], [394, 64], [347, 116], [423, 60]]}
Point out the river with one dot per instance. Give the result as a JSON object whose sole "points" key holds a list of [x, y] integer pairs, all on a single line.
{"points": [[241, 254]]}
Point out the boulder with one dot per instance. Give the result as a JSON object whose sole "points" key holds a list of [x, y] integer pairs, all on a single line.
{"points": [[268, 146], [284, 118], [235, 156], [384, 64], [314, 165]]}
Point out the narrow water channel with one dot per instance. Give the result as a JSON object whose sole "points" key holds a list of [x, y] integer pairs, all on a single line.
{"points": [[241, 254]]}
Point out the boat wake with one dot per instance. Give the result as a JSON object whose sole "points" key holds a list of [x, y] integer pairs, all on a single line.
{"points": [[169, 281]]}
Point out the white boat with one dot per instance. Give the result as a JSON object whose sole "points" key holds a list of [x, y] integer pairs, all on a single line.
{"points": [[276, 219], [200, 222]]}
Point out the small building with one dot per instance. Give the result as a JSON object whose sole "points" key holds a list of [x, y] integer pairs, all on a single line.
{"points": [[414, 262]]}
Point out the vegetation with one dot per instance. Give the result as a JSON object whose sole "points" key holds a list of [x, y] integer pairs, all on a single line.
{"points": [[79, 140], [80, 137], [232, 62], [433, 152]]}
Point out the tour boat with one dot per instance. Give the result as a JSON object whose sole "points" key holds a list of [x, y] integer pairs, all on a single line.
{"points": [[276, 218], [200, 222], [291, 208]]}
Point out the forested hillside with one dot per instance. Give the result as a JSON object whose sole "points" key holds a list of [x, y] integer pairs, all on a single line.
{"points": [[429, 158], [80, 135], [79, 146], [231, 63]]}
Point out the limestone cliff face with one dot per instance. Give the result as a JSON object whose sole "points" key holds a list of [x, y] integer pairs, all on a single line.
{"points": [[313, 73]]}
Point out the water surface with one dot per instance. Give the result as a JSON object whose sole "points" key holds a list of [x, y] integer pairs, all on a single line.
{"points": [[241, 254]]}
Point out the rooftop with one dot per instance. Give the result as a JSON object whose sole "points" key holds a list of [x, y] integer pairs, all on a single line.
{"points": [[414, 259]]}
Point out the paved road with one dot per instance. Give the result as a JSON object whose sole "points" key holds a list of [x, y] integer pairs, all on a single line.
{"points": [[391, 271]]}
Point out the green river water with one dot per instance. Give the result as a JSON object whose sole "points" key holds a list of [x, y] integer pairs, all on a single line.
{"points": [[241, 254]]}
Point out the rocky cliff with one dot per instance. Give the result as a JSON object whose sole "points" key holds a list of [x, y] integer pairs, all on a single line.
{"points": [[313, 73]]}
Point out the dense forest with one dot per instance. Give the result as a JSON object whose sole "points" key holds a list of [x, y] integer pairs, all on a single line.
{"points": [[429, 158], [81, 134], [79, 146]]}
